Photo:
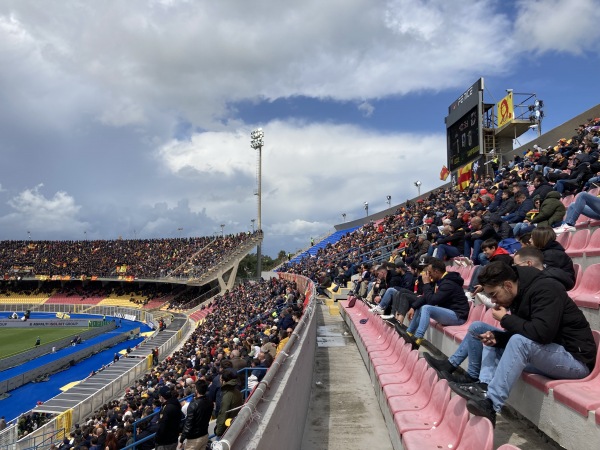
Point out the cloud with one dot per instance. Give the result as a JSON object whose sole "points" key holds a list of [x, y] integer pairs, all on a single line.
{"points": [[366, 109], [44, 216], [556, 25]]}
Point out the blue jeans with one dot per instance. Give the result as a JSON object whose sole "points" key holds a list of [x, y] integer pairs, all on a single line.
{"points": [[445, 250], [444, 316], [559, 186], [584, 203], [501, 367], [522, 228], [475, 245], [386, 299], [472, 348]]}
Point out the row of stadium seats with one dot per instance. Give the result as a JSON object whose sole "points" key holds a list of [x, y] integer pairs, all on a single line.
{"points": [[414, 401]]}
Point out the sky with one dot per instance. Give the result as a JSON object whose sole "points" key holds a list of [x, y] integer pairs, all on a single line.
{"points": [[133, 119]]}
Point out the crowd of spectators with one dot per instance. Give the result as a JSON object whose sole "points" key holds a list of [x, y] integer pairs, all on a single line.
{"points": [[246, 328], [137, 258]]}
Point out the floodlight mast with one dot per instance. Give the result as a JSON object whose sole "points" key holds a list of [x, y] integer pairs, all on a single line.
{"points": [[257, 143]]}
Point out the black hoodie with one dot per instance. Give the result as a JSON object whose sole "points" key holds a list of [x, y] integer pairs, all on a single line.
{"points": [[449, 294], [543, 312]]}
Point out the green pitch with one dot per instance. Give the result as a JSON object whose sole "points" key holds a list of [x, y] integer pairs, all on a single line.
{"points": [[17, 340]]}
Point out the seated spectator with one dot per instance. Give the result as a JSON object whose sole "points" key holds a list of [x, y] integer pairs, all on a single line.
{"points": [[324, 283], [451, 245], [584, 203], [544, 238], [443, 300], [524, 205], [492, 252], [479, 232], [231, 400], [542, 316]]}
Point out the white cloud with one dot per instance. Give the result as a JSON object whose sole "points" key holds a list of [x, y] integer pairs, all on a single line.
{"points": [[558, 25], [44, 216], [366, 109]]}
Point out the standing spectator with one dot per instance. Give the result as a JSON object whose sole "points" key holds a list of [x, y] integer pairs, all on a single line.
{"points": [[2, 423], [230, 403], [169, 420], [195, 429]]}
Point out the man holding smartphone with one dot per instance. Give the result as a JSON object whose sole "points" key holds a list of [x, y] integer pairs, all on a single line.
{"points": [[544, 333]]}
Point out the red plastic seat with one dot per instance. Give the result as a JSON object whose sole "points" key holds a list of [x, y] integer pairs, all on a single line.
{"points": [[446, 435], [478, 434], [567, 200], [564, 239], [403, 371], [429, 416], [458, 331], [593, 247], [381, 369], [578, 243], [412, 403], [578, 276], [587, 294], [581, 395], [544, 384], [420, 374]]}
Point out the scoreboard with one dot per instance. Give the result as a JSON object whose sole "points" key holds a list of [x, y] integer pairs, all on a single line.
{"points": [[463, 127]]}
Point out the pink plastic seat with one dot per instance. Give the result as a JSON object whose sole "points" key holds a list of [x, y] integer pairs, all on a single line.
{"points": [[412, 403], [458, 332], [578, 276], [429, 416], [593, 247], [567, 200], [403, 371], [508, 447], [578, 243], [597, 414], [581, 395], [445, 435], [544, 384], [489, 319], [564, 239], [381, 369], [420, 374], [478, 434], [587, 294]]}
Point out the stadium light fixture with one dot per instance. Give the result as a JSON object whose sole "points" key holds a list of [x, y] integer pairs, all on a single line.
{"points": [[257, 143], [344, 217], [418, 186], [367, 208], [388, 200], [253, 220], [222, 227]]}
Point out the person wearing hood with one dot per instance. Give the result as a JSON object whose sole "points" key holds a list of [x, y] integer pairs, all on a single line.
{"points": [[555, 255], [544, 333], [230, 403], [169, 420], [443, 300], [552, 211]]}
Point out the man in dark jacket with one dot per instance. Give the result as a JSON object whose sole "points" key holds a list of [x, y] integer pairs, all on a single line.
{"points": [[542, 187], [443, 300], [477, 234], [169, 420], [195, 429], [524, 206], [232, 400], [546, 332], [452, 245]]}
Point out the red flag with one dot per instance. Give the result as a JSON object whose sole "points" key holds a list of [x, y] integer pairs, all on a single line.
{"points": [[444, 173]]}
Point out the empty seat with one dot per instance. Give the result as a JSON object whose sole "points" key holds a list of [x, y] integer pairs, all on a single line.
{"points": [[403, 370], [429, 416], [587, 293], [578, 243], [593, 247], [445, 435], [420, 374], [478, 434]]}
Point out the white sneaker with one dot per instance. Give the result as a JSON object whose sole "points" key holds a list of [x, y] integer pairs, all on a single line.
{"points": [[564, 228], [387, 316], [485, 300], [377, 310]]}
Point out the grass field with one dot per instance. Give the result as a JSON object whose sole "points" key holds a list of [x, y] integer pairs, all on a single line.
{"points": [[17, 340]]}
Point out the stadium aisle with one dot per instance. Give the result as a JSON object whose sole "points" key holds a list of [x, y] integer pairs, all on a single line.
{"points": [[343, 412]]}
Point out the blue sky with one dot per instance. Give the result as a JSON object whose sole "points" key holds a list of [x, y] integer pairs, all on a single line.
{"points": [[133, 118]]}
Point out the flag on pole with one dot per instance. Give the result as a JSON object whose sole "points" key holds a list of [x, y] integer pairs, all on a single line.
{"points": [[444, 173], [465, 174]]}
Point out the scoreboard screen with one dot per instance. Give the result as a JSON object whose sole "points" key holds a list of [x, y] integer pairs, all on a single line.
{"points": [[463, 140]]}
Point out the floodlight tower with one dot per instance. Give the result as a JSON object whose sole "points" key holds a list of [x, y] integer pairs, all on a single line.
{"points": [[257, 143]]}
